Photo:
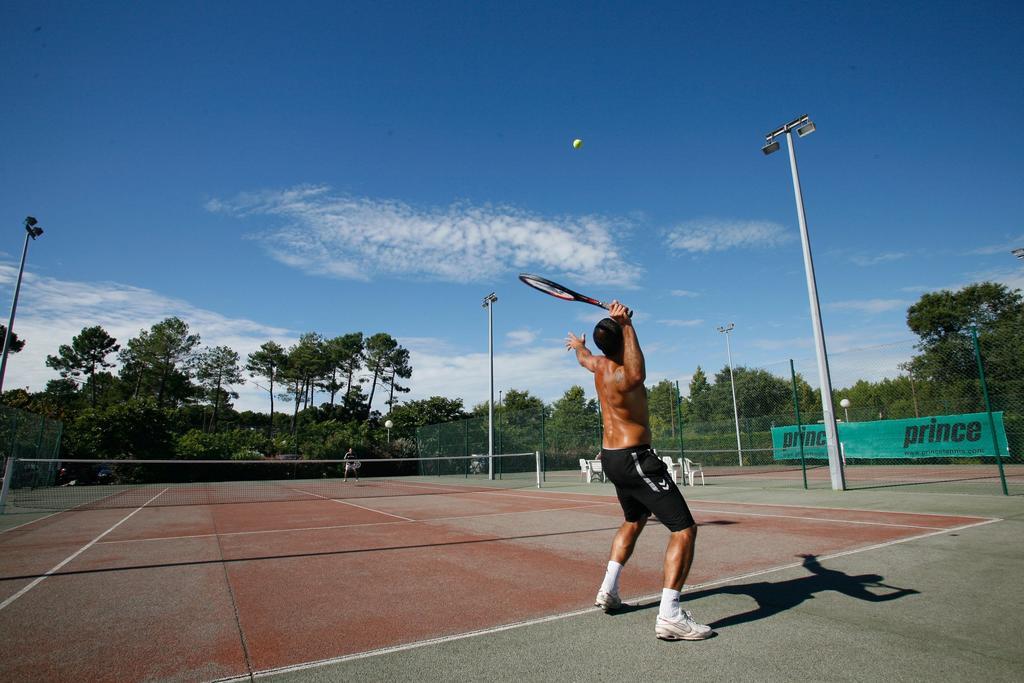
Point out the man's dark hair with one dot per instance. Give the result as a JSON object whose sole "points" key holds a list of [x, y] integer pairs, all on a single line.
{"points": [[608, 337]]}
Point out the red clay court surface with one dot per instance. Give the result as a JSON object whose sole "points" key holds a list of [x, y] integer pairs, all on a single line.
{"points": [[223, 591]]}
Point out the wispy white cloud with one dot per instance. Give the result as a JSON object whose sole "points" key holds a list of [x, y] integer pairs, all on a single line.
{"points": [[1011, 277], [545, 372], [868, 305], [520, 337], [874, 259], [341, 236], [719, 235], [1003, 248], [52, 311], [684, 293], [681, 323]]}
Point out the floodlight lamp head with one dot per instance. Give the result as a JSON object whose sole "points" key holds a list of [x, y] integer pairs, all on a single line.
{"points": [[727, 328], [806, 129], [30, 222], [1019, 253], [35, 232], [770, 146], [489, 299]]}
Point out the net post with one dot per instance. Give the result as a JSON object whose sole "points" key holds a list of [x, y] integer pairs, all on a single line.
{"points": [[988, 409], [8, 473], [543, 447], [799, 427]]}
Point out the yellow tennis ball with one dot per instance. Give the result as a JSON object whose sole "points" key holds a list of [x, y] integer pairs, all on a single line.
{"points": [[577, 143]]}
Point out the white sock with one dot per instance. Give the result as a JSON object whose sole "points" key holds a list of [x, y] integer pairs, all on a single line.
{"points": [[669, 603], [611, 578]]}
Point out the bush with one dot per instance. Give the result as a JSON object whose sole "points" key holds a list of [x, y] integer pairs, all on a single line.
{"points": [[135, 430], [237, 444]]}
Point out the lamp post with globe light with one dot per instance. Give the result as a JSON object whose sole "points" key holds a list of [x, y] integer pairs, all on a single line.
{"points": [[388, 424], [845, 403]]}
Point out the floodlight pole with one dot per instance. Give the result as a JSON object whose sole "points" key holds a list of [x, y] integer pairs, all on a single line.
{"points": [[735, 411], [804, 126], [488, 304], [32, 231]]}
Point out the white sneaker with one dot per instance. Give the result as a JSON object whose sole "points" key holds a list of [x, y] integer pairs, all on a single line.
{"points": [[682, 627], [607, 601]]}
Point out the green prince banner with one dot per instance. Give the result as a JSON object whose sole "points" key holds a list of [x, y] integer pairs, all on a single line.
{"points": [[944, 436]]}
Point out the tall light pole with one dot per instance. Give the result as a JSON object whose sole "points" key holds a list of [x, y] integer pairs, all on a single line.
{"points": [[32, 231], [489, 301], [735, 411], [804, 126]]}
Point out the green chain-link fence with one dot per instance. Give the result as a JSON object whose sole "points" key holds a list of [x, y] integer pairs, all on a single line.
{"points": [[27, 435], [906, 416]]}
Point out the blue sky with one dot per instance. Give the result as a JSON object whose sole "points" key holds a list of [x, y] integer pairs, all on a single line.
{"points": [[383, 166]]}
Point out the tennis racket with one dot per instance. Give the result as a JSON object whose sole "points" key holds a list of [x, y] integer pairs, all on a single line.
{"points": [[561, 292]]}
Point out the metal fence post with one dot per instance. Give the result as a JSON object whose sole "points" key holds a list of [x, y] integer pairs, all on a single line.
{"points": [[988, 409], [541, 458], [679, 419], [799, 427]]}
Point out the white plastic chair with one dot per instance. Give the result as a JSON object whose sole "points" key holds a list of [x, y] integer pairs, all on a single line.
{"points": [[690, 469], [673, 467], [585, 471]]}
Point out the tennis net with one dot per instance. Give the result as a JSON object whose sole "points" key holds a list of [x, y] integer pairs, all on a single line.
{"points": [[46, 484]]}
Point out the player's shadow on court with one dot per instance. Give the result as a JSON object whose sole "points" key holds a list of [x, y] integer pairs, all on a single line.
{"points": [[779, 596]]}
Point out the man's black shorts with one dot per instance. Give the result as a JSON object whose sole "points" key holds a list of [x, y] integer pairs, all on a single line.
{"points": [[644, 486]]}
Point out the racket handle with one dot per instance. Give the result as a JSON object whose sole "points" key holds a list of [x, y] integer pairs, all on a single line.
{"points": [[629, 311]]}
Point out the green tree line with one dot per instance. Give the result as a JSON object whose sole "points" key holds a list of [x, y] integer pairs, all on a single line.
{"points": [[171, 397]]}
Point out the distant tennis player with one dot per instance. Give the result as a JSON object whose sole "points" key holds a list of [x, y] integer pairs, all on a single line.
{"points": [[642, 480], [351, 465]]}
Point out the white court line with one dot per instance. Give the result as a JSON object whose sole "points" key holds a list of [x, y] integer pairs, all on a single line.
{"points": [[346, 526], [75, 554], [785, 505], [557, 509], [361, 507], [812, 507], [816, 519], [71, 509], [37, 519], [565, 615]]}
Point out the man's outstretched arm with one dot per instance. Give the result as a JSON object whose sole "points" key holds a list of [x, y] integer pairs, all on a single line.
{"points": [[634, 370], [583, 354]]}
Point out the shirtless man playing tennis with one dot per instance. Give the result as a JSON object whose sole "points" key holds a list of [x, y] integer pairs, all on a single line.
{"points": [[642, 481]]}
